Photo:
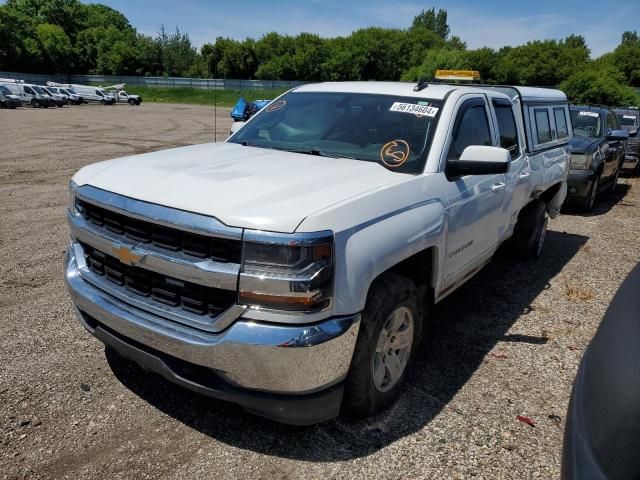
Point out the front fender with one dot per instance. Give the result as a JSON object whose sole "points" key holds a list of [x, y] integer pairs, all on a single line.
{"points": [[365, 251]]}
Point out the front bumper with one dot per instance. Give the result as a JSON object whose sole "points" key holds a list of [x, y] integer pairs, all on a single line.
{"points": [[579, 182], [630, 162], [288, 373]]}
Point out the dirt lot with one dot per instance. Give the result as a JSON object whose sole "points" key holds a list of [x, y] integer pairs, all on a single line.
{"points": [[509, 343]]}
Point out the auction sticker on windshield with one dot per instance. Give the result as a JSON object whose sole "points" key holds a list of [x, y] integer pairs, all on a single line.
{"points": [[589, 114], [415, 109]]}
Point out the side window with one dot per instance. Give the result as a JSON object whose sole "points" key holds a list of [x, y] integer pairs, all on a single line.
{"points": [[543, 127], [561, 122], [507, 128], [611, 123], [471, 128], [28, 90]]}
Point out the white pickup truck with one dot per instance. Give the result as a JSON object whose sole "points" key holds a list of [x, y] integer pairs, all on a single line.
{"points": [[291, 268]]}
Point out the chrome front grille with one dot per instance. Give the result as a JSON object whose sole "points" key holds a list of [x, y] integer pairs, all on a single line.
{"points": [[633, 146], [161, 288], [180, 265], [193, 244]]}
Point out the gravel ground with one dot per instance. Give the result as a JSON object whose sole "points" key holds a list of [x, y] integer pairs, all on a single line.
{"points": [[508, 343]]}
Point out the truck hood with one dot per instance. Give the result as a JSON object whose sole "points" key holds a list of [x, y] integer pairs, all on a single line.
{"points": [[583, 144], [240, 186]]}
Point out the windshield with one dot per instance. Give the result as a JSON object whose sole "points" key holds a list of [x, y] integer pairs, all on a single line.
{"points": [[5, 90], [395, 131], [40, 90], [70, 90], [627, 120], [586, 123], [49, 91]]}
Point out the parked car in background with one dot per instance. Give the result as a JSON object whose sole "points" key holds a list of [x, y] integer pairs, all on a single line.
{"points": [[597, 153], [60, 100], [7, 99], [602, 431], [121, 95], [67, 89], [72, 99], [94, 94], [36, 96], [630, 120]]}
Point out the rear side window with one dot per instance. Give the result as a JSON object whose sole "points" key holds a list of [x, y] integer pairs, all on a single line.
{"points": [[561, 122], [507, 129], [472, 128], [543, 127]]}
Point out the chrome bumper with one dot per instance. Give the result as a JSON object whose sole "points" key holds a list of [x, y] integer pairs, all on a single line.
{"points": [[264, 357]]}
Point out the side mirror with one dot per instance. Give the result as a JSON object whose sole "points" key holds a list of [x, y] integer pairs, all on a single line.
{"points": [[618, 135], [235, 127], [479, 160]]}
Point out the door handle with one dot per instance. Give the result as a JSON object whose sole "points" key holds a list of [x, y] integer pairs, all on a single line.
{"points": [[525, 174], [496, 187]]}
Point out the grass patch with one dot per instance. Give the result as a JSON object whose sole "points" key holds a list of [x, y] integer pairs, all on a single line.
{"points": [[200, 96], [578, 293]]}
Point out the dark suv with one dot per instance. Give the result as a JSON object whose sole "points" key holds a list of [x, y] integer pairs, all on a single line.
{"points": [[597, 153], [630, 121]]}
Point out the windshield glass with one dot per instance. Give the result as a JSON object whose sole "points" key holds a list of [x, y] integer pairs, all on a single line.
{"points": [[4, 90], [627, 120], [395, 131], [586, 123], [39, 90], [70, 90]]}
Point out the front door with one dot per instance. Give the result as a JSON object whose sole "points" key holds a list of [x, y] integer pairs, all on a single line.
{"points": [[474, 208]]}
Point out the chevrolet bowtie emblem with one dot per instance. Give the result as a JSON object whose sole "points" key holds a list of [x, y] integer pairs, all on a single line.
{"points": [[125, 255]]}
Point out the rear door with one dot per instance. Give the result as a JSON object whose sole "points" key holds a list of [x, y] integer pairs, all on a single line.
{"points": [[474, 218], [510, 136]]}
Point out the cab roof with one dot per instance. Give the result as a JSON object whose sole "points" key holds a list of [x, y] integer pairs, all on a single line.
{"points": [[435, 91]]}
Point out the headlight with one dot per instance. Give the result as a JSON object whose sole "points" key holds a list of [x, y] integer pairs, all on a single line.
{"points": [[72, 197], [580, 162], [287, 272]]}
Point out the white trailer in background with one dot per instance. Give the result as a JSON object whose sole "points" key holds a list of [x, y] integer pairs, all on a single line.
{"points": [[122, 96]]}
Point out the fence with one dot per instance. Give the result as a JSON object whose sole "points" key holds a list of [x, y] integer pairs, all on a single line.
{"points": [[205, 83]]}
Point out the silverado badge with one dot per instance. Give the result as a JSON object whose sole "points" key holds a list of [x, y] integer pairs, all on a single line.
{"points": [[125, 255]]}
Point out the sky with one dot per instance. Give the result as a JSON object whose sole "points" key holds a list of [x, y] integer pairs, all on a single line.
{"points": [[493, 23]]}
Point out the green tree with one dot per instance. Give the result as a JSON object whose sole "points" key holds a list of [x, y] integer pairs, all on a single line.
{"points": [[438, 58], [434, 21], [600, 85], [56, 46]]}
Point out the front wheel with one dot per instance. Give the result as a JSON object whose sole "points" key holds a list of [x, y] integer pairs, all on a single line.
{"points": [[614, 182], [390, 335], [590, 199]]}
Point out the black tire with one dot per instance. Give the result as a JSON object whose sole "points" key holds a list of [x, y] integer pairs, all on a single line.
{"points": [[388, 293], [103, 102], [614, 182], [589, 200], [530, 231], [138, 102], [131, 101]]}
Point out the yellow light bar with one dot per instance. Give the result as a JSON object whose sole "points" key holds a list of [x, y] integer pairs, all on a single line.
{"points": [[464, 75]]}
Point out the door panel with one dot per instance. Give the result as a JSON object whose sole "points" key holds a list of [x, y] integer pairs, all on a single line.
{"points": [[474, 217]]}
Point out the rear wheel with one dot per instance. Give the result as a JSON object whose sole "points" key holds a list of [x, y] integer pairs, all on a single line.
{"points": [[388, 341], [530, 232]]}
